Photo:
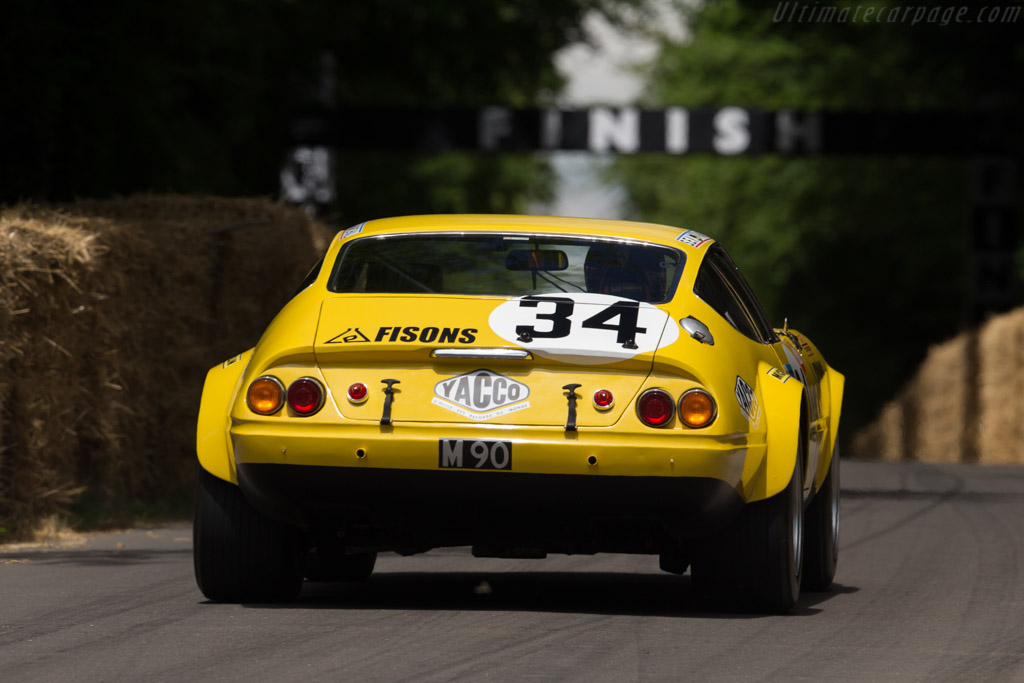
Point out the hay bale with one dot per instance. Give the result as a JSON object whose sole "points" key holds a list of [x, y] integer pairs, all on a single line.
{"points": [[1001, 381], [964, 403], [111, 312]]}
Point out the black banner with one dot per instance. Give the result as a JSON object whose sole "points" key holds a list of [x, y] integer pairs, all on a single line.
{"points": [[723, 131]]}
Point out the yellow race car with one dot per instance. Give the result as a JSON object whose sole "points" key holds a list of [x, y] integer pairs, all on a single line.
{"points": [[524, 386]]}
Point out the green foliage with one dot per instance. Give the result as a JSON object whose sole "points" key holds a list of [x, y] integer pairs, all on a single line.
{"points": [[869, 256], [198, 95]]}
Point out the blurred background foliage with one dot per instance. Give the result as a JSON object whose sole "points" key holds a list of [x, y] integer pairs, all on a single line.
{"points": [[199, 96], [870, 256]]}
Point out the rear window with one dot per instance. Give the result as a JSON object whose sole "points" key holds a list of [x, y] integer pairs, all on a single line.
{"points": [[510, 265]]}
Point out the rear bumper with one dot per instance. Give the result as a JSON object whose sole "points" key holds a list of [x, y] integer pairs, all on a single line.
{"points": [[589, 491], [535, 450], [418, 509]]}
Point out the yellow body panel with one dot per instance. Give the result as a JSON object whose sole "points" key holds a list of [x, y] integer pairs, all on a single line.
{"points": [[213, 442], [752, 447]]}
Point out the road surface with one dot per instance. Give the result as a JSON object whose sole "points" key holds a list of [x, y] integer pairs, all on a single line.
{"points": [[930, 586]]}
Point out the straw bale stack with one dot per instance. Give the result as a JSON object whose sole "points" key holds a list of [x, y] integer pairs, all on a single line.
{"points": [[964, 404], [110, 314]]}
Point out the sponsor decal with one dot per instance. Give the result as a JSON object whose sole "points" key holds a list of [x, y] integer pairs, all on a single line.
{"points": [[231, 361], [749, 406], [351, 335], [693, 238], [355, 230], [778, 374], [427, 335], [583, 328], [470, 454], [795, 366], [408, 334], [481, 395]]}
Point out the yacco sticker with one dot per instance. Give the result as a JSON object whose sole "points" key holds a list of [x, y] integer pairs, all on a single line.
{"points": [[354, 230], [583, 328], [693, 238], [749, 406], [778, 374], [481, 395]]}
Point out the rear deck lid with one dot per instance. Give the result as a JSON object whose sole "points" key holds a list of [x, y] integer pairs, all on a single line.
{"points": [[489, 360]]}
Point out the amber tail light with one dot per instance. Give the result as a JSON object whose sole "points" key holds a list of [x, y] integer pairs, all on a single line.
{"points": [[697, 409], [265, 395]]}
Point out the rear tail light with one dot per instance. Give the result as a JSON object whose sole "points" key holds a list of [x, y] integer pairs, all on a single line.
{"points": [[603, 399], [655, 408], [265, 395], [357, 392], [697, 409], [305, 396]]}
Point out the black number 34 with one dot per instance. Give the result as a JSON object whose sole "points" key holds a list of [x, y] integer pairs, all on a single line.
{"points": [[626, 314]]}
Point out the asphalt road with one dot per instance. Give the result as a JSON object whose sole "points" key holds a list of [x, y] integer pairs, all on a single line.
{"points": [[930, 586]]}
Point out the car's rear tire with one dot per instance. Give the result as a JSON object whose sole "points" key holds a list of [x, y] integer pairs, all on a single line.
{"points": [[241, 555], [823, 531], [759, 557]]}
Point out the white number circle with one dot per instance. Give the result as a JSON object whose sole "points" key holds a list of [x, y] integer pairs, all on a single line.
{"points": [[583, 328]]}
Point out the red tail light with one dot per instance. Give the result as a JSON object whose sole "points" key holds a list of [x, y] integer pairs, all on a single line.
{"points": [[655, 408], [357, 392], [603, 399], [305, 396]]}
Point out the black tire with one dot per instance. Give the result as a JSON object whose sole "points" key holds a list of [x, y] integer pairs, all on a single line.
{"points": [[823, 531], [241, 555], [341, 568], [759, 557]]}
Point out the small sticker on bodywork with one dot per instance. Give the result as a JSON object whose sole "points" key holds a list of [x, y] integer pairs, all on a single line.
{"points": [[693, 238], [355, 230], [748, 402], [349, 336], [778, 374], [481, 395], [231, 361]]}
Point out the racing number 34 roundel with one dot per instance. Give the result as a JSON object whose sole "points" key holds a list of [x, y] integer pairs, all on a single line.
{"points": [[583, 328]]}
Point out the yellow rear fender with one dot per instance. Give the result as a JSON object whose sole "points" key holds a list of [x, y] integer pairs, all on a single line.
{"points": [[836, 382], [213, 445], [783, 401]]}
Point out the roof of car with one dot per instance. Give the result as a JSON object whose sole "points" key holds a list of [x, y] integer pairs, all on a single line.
{"points": [[651, 232]]}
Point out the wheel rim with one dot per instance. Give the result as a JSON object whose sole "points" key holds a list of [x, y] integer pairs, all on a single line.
{"points": [[834, 509], [796, 529]]}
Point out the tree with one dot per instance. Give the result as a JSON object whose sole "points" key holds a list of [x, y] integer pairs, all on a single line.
{"points": [[869, 255], [199, 95]]}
